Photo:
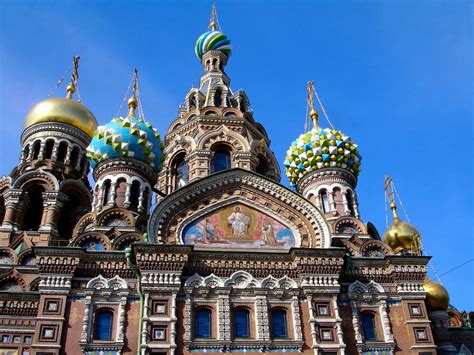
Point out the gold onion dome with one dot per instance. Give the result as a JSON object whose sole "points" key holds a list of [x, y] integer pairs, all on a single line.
{"points": [[401, 235], [437, 297]]}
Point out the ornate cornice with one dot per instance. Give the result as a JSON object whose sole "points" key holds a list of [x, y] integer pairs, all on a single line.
{"points": [[125, 164], [58, 127]]}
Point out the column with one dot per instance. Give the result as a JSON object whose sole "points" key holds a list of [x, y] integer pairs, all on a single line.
{"points": [[224, 326], [112, 193], [141, 199], [78, 163], [355, 322], [67, 161], [146, 308], [121, 317], [41, 151], [387, 332], [340, 334], [128, 193], [173, 324], [356, 205], [100, 198], [261, 310], [347, 211], [14, 201], [86, 320], [54, 155]]}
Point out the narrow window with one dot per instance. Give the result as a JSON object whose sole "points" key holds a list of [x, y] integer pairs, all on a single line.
{"points": [[192, 102], [106, 192], [182, 173], [221, 160], [350, 201], [262, 167], [279, 324], [62, 151], [36, 149], [103, 325], [241, 323], [218, 98], [134, 194], [48, 150], [368, 324], [26, 152], [324, 201], [203, 323], [74, 157]]}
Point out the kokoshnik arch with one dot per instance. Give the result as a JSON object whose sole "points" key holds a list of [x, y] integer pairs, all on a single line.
{"points": [[229, 260]]}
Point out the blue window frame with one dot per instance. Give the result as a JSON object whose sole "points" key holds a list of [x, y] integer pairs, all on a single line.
{"points": [[368, 324], [103, 325], [220, 161], [241, 323], [279, 324], [202, 318]]}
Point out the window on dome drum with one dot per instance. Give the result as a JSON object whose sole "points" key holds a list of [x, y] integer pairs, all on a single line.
{"points": [[241, 323], [192, 102], [218, 98], [36, 149], [62, 151], [324, 201], [48, 151], [202, 319], [262, 167], [26, 152], [34, 211], [74, 157], [279, 324], [368, 326], [220, 160], [134, 195], [103, 325], [106, 192], [182, 173], [350, 201]]}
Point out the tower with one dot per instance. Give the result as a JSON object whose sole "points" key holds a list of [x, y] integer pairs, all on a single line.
{"points": [[323, 165], [215, 129], [48, 190]]}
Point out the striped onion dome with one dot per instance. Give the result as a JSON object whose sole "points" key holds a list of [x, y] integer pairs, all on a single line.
{"points": [[213, 41]]}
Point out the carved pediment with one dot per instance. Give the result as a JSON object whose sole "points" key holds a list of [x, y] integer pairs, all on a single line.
{"points": [[270, 215]]}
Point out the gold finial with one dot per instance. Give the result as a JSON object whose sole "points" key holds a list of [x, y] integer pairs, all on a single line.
{"points": [[212, 22], [313, 113], [71, 88], [389, 191], [133, 102]]}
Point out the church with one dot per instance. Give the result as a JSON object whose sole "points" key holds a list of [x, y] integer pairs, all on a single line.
{"points": [[191, 243]]}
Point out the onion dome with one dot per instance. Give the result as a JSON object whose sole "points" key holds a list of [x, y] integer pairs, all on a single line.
{"points": [[401, 235], [437, 297], [318, 149], [64, 110], [128, 136], [213, 41]]}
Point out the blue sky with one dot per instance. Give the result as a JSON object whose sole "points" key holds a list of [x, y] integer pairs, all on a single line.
{"points": [[395, 75]]}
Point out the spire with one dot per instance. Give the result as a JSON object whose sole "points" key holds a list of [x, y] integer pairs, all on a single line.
{"points": [[71, 88], [212, 22], [389, 191], [313, 113], [133, 102]]}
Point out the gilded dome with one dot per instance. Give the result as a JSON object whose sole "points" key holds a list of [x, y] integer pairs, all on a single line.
{"points": [[437, 297], [62, 110], [126, 137], [318, 149], [213, 41], [402, 236]]}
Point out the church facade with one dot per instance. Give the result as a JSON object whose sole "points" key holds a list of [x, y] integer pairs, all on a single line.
{"points": [[191, 244]]}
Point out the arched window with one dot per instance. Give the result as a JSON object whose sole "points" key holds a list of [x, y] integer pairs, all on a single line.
{"points": [[203, 319], [34, 211], [192, 102], [180, 171], [48, 149], [324, 201], [62, 151], [74, 157], [36, 149], [241, 323], [134, 194], [106, 191], [220, 160], [218, 98], [26, 152], [279, 324], [350, 201], [103, 325], [368, 326]]}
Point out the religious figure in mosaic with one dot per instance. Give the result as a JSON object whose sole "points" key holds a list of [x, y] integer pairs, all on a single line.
{"points": [[239, 222], [267, 234]]}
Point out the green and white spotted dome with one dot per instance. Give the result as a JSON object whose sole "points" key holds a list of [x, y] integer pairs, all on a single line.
{"points": [[318, 149], [126, 137]]}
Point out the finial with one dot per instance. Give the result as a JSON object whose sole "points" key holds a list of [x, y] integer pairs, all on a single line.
{"points": [[389, 190], [71, 88], [212, 22], [133, 102], [313, 113]]}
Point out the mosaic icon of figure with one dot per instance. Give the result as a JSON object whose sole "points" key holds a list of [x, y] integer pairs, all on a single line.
{"points": [[267, 233], [239, 222]]}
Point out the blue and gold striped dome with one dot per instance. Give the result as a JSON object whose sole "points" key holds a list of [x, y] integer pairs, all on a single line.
{"points": [[318, 149], [213, 41], [128, 136]]}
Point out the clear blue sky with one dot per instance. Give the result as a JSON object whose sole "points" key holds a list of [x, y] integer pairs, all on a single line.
{"points": [[395, 75]]}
